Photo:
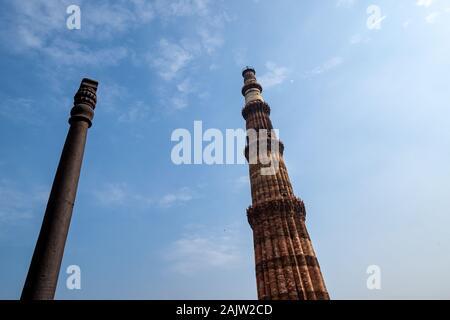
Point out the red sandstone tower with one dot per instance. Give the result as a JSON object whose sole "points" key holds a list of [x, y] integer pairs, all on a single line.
{"points": [[286, 264]]}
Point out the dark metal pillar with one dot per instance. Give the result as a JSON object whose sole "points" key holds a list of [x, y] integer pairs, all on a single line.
{"points": [[42, 277]]}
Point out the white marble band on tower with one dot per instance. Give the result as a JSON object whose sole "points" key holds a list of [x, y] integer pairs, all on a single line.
{"points": [[252, 89]]}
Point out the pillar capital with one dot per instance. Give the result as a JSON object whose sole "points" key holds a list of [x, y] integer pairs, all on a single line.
{"points": [[84, 102]]}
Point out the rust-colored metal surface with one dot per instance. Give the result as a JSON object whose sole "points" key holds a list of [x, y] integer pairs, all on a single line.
{"points": [[42, 277]]}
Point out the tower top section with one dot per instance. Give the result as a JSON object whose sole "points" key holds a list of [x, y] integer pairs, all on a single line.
{"points": [[251, 89], [248, 69]]}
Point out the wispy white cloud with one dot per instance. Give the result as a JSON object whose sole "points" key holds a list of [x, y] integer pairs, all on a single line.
{"points": [[210, 41], [20, 110], [100, 19], [186, 86], [240, 57], [345, 3], [179, 197], [200, 251], [112, 194], [179, 100], [179, 8], [174, 58], [136, 112], [178, 103], [118, 102], [111, 96], [121, 194], [432, 17], [326, 66], [17, 205], [424, 3], [171, 58], [71, 53], [275, 75], [40, 26], [358, 39], [106, 19]]}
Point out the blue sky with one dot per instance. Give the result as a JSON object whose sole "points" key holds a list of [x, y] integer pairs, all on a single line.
{"points": [[363, 113]]}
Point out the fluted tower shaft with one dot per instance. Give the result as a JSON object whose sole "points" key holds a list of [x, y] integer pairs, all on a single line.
{"points": [[42, 277], [285, 261]]}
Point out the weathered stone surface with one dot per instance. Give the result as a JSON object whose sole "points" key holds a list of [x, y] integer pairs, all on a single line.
{"points": [[285, 262]]}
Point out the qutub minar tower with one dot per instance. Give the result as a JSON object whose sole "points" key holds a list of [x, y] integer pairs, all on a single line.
{"points": [[286, 264]]}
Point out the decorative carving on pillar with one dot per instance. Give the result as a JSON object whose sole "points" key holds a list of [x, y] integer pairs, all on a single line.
{"points": [[84, 102]]}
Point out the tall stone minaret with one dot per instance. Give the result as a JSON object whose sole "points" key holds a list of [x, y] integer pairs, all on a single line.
{"points": [[42, 277], [286, 264]]}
